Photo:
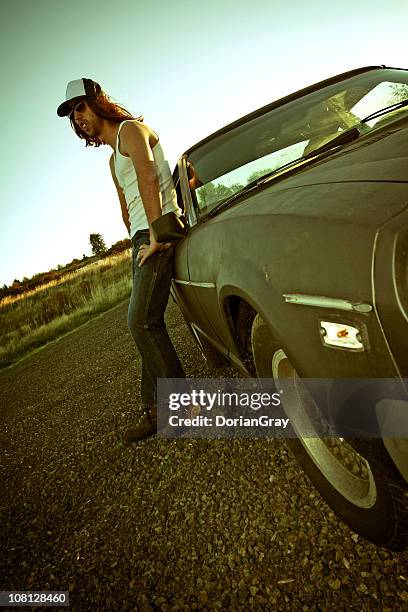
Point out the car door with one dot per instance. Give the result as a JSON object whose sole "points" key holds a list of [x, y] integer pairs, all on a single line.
{"points": [[194, 289]]}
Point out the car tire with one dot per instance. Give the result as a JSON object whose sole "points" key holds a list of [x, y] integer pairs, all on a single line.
{"points": [[369, 496]]}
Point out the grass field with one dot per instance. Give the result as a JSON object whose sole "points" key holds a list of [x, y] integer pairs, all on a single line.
{"points": [[31, 320]]}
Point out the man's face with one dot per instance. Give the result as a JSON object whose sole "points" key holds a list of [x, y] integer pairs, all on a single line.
{"points": [[86, 119]]}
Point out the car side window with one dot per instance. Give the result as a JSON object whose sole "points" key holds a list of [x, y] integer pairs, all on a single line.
{"points": [[208, 195]]}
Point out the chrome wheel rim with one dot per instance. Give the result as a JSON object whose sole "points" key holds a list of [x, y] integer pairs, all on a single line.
{"points": [[344, 468]]}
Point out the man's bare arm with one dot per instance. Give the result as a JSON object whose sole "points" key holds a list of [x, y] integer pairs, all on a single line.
{"points": [[122, 199], [134, 141]]}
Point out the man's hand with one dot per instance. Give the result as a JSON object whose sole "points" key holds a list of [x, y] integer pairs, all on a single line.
{"points": [[148, 249]]}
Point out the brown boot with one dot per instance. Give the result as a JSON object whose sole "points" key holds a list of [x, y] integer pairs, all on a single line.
{"points": [[147, 426]]}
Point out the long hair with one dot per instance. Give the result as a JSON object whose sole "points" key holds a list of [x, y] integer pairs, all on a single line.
{"points": [[103, 106]]}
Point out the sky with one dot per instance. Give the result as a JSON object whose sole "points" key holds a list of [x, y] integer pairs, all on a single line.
{"points": [[190, 67]]}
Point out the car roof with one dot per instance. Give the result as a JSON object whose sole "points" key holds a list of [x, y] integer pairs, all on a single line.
{"points": [[284, 100]]}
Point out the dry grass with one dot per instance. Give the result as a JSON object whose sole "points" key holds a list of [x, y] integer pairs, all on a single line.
{"points": [[33, 319]]}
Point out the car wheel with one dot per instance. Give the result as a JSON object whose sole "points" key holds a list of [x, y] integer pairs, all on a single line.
{"points": [[372, 499]]}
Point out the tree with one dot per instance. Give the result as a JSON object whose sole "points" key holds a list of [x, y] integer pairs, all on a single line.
{"points": [[399, 93], [257, 174], [97, 243], [211, 194], [4, 291]]}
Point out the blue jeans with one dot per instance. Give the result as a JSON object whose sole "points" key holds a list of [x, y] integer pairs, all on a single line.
{"points": [[150, 294]]}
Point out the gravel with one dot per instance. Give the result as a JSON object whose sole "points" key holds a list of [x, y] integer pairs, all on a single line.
{"points": [[184, 524]]}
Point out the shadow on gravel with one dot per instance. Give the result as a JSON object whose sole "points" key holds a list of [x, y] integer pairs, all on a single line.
{"points": [[165, 524]]}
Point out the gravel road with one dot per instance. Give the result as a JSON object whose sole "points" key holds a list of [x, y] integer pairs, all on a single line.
{"points": [[183, 524]]}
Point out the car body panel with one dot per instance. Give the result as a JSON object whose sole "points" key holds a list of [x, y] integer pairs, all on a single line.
{"points": [[281, 246], [391, 286]]}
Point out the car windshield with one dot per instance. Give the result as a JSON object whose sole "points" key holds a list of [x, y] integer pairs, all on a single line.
{"points": [[223, 166]]}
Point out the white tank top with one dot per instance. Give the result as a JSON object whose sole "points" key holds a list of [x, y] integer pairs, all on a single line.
{"points": [[127, 179]]}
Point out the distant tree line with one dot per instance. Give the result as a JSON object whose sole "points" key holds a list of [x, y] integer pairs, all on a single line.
{"points": [[100, 251]]}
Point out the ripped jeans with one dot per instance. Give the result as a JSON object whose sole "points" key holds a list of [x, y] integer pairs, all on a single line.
{"points": [[150, 294]]}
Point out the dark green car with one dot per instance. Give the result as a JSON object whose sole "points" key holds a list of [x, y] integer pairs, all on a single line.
{"points": [[295, 268]]}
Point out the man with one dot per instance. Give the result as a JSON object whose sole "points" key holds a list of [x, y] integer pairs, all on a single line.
{"points": [[145, 188]]}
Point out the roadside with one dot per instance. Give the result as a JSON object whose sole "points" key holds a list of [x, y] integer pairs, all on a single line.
{"points": [[34, 318], [180, 524]]}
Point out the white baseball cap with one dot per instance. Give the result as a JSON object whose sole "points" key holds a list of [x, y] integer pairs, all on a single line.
{"points": [[81, 88]]}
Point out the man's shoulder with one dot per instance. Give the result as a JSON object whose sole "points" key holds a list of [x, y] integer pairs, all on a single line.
{"points": [[134, 133], [131, 126]]}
